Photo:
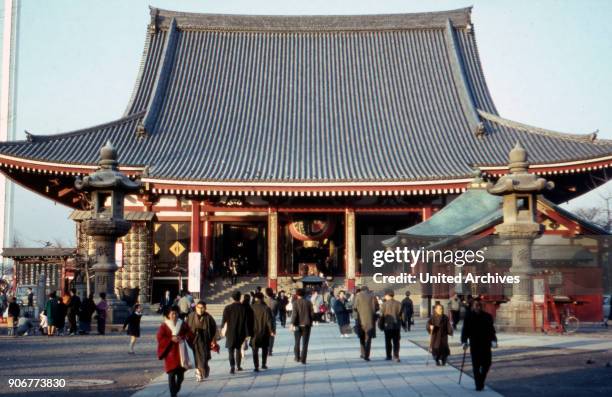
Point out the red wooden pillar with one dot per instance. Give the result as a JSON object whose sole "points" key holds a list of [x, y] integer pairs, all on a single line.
{"points": [[426, 290], [207, 233], [427, 212], [272, 248], [350, 255]]}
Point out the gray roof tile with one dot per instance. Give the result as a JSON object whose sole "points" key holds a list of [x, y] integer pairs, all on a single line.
{"points": [[325, 98]]}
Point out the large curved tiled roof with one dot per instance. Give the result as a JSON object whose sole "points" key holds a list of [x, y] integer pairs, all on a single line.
{"points": [[310, 99]]}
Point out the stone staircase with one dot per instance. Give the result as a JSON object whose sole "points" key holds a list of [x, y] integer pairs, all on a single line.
{"points": [[219, 293]]}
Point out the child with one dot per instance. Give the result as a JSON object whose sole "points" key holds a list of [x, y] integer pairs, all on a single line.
{"points": [[133, 326], [43, 322]]}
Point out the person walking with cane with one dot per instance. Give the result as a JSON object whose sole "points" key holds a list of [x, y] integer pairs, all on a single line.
{"points": [[479, 332]]}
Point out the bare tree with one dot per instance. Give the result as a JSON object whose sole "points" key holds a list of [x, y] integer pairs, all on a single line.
{"points": [[596, 215]]}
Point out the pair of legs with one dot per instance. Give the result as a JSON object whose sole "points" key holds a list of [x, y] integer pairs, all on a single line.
{"points": [[101, 326], [365, 344], [455, 315], [264, 357], [73, 323], [175, 379], [235, 357], [440, 355], [51, 330], [282, 316], [392, 343], [407, 324], [481, 362], [301, 334], [271, 345], [201, 363], [132, 343]]}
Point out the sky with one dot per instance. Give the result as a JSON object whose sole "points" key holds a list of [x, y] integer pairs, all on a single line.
{"points": [[547, 63]]}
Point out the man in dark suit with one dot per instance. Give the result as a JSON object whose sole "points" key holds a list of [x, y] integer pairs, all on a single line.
{"points": [[236, 328], [272, 303], [263, 331], [301, 322], [407, 312]]}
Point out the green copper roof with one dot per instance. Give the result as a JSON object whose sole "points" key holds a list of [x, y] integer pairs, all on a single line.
{"points": [[470, 212]]}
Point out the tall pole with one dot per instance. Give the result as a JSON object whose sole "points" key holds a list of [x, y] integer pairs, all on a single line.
{"points": [[7, 112]]}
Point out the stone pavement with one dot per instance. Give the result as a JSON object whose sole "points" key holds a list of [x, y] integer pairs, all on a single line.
{"points": [[334, 369]]}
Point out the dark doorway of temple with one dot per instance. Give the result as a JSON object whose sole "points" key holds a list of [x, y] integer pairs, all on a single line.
{"points": [[312, 244], [242, 243]]}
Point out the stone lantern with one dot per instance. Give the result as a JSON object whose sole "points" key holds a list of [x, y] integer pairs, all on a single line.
{"points": [[519, 190], [107, 188]]}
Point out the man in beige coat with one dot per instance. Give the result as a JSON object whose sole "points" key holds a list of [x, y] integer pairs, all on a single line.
{"points": [[365, 307], [391, 323]]}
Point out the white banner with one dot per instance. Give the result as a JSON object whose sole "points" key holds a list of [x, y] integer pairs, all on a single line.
{"points": [[119, 254], [195, 263]]}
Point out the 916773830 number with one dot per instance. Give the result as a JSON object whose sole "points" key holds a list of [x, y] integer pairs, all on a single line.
{"points": [[36, 383]]}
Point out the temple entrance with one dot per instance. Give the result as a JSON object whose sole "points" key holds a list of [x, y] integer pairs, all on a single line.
{"points": [[312, 244], [241, 243]]}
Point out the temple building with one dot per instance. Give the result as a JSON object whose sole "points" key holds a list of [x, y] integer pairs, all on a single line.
{"points": [[275, 142], [571, 254]]}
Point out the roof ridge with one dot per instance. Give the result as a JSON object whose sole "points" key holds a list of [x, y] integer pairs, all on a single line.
{"points": [[140, 75], [460, 17], [466, 96], [40, 138], [161, 82], [592, 137]]}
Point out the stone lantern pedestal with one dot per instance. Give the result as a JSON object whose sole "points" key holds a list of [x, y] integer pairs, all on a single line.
{"points": [[519, 190], [107, 188]]}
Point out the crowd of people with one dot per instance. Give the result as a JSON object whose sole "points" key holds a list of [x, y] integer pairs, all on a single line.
{"points": [[251, 321]]}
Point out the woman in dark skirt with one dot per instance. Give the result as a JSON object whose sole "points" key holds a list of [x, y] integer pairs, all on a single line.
{"points": [[204, 328], [133, 326], [439, 327]]}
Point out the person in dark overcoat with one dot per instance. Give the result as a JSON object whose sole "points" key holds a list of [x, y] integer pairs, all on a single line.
{"points": [[246, 301], [365, 308], [282, 308], [302, 315], [343, 316], [479, 332], [439, 327], [263, 331], [391, 312], [132, 322], [407, 312], [172, 338], [204, 328], [73, 310], [13, 316], [273, 304], [88, 308], [235, 323], [51, 308]]}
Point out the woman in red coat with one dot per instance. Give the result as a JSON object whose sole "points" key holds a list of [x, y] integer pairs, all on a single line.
{"points": [[172, 338]]}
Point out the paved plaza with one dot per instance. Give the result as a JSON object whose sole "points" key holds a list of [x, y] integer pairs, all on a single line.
{"points": [[334, 369], [523, 365]]}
